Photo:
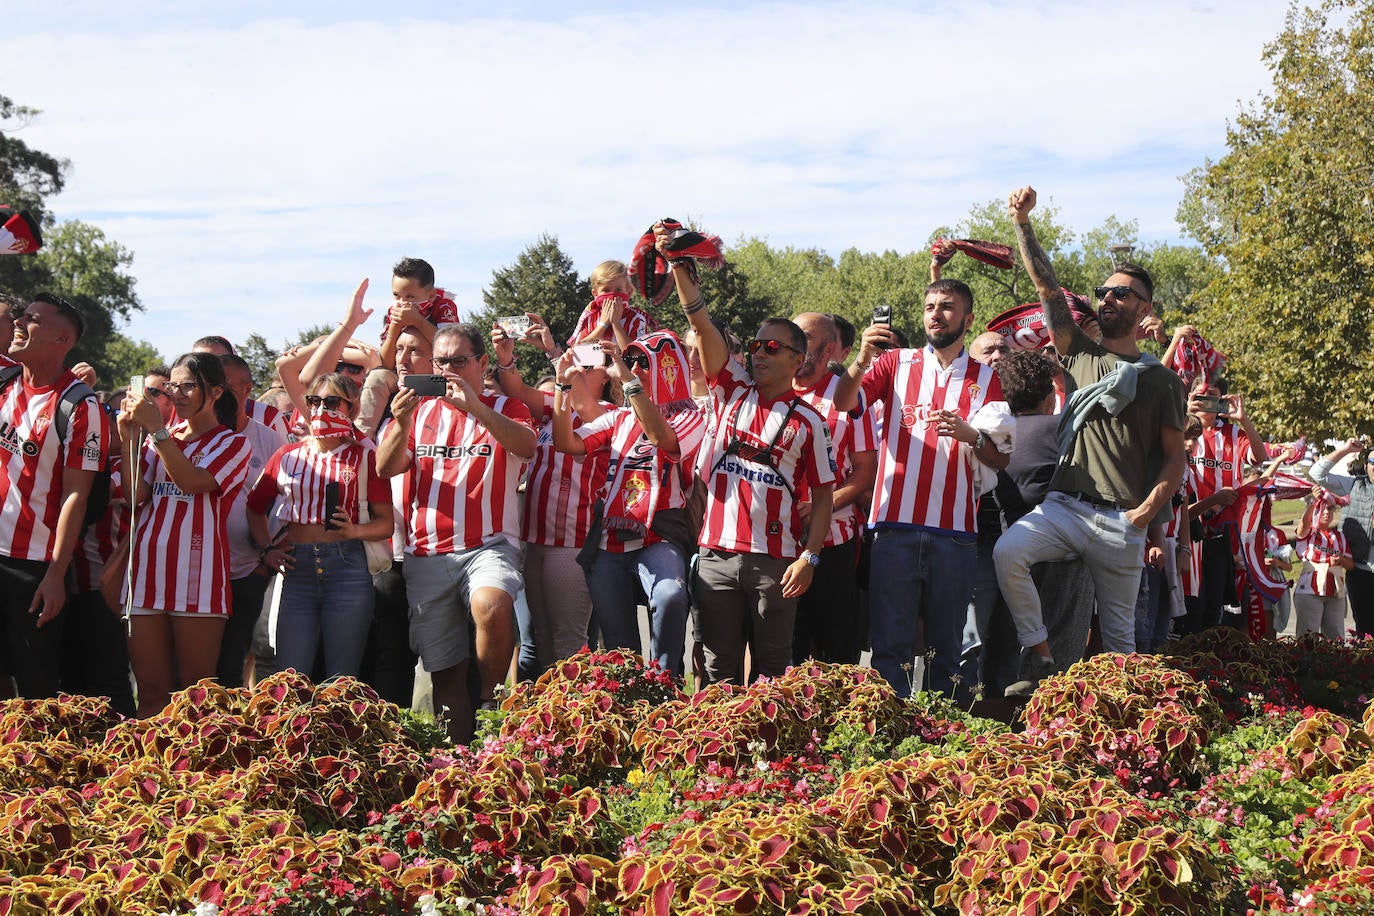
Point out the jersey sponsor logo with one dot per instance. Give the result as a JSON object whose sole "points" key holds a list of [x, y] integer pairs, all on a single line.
{"points": [[1221, 463], [913, 414], [752, 475], [454, 451], [9, 439], [91, 451], [168, 490]]}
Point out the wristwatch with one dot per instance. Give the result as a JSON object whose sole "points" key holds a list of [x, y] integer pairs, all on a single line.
{"points": [[979, 441], [814, 559], [161, 435]]}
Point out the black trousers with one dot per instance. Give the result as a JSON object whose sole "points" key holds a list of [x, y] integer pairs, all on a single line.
{"points": [[388, 663], [32, 654], [1361, 592], [95, 652], [828, 627]]}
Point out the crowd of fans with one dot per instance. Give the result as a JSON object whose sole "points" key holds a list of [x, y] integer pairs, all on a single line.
{"points": [[979, 517]]}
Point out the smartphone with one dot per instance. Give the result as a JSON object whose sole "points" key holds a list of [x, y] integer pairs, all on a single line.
{"points": [[882, 314], [1210, 404], [516, 326], [136, 386], [588, 355], [426, 386], [331, 504]]}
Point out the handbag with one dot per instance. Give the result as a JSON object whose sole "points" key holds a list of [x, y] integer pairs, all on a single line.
{"points": [[378, 552]]}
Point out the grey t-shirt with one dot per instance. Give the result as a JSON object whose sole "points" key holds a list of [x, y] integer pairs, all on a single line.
{"points": [[1117, 459]]}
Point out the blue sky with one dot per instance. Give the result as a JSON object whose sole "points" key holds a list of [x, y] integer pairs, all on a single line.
{"points": [[260, 158]]}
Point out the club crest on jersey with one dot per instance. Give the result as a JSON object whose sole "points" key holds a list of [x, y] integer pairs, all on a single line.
{"points": [[347, 475], [789, 432], [974, 390], [41, 422], [634, 490]]}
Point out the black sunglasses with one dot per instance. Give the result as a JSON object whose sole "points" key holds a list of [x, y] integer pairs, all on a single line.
{"points": [[350, 368], [152, 392], [457, 362], [771, 347], [1118, 292], [636, 360], [331, 402]]}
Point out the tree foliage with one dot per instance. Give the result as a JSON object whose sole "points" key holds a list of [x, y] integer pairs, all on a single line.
{"points": [[1289, 210], [542, 280], [77, 261]]}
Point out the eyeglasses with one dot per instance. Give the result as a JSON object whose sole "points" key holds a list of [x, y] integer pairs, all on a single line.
{"points": [[1119, 293], [637, 360], [176, 388], [350, 368], [152, 392], [458, 362], [330, 402], [771, 347]]}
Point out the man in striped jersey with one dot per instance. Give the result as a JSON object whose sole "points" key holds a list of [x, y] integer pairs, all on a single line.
{"points": [[769, 456], [1121, 458], [1229, 441], [466, 451], [828, 626], [44, 483], [924, 504]]}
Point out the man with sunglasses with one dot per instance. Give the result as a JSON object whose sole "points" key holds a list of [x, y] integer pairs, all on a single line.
{"points": [[769, 454], [1122, 458], [465, 452], [1357, 524], [923, 515]]}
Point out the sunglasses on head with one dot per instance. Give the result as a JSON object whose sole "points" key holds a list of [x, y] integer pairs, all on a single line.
{"points": [[350, 368], [457, 362], [330, 402], [1119, 293], [637, 360], [771, 347]]}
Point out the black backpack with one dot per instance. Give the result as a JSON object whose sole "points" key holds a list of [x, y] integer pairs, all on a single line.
{"points": [[73, 397]]}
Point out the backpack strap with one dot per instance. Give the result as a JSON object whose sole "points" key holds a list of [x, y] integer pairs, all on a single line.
{"points": [[72, 398]]}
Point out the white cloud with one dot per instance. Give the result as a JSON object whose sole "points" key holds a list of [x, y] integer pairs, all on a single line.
{"points": [[258, 170]]}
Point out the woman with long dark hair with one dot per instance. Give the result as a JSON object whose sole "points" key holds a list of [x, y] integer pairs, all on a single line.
{"points": [[187, 478]]}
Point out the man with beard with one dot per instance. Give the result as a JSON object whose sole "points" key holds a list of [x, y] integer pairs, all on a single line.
{"points": [[1121, 457], [924, 504]]}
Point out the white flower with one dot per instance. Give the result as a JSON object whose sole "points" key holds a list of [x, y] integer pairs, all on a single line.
{"points": [[429, 905], [206, 909]]}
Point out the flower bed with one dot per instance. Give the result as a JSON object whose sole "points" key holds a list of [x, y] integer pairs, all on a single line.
{"points": [[1197, 783]]}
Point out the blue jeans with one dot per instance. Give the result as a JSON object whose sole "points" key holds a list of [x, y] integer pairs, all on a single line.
{"points": [[926, 575], [327, 597], [615, 583]]}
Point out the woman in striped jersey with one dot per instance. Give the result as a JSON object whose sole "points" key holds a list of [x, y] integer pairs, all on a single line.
{"points": [[180, 574], [1320, 594], [317, 485]]}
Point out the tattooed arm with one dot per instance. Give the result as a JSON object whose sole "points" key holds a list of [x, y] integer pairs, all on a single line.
{"points": [[1062, 326]]}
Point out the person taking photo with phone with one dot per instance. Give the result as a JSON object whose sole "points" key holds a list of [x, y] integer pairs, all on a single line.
{"points": [[318, 485]]}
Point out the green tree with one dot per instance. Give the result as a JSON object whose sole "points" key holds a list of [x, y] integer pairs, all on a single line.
{"points": [[125, 358], [1289, 209], [542, 280], [77, 260]]}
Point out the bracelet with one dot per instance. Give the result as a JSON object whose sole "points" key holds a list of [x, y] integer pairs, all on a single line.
{"points": [[553, 357], [632, 389], [509, 367], [696, 305], [561, 387]]}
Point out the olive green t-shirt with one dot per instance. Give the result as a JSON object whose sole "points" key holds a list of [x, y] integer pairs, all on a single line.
{"points": [[1117, 459]]}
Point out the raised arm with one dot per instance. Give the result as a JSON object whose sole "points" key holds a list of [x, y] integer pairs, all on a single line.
{"points": [[1062, 326], [327, 355], [1323, 468], [508, 377], [714, 348]]}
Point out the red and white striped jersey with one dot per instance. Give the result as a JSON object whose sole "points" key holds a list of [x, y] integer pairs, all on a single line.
{"points": [[33, 463], [639, 471], [463, 482], [925, 480], [1317, 550], [263, 442], [1219, 457], [268, 416], [766, 458], [560, 489], [299, 473], [848, 434], [440, 311], [181, 548], [98, 543]]}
